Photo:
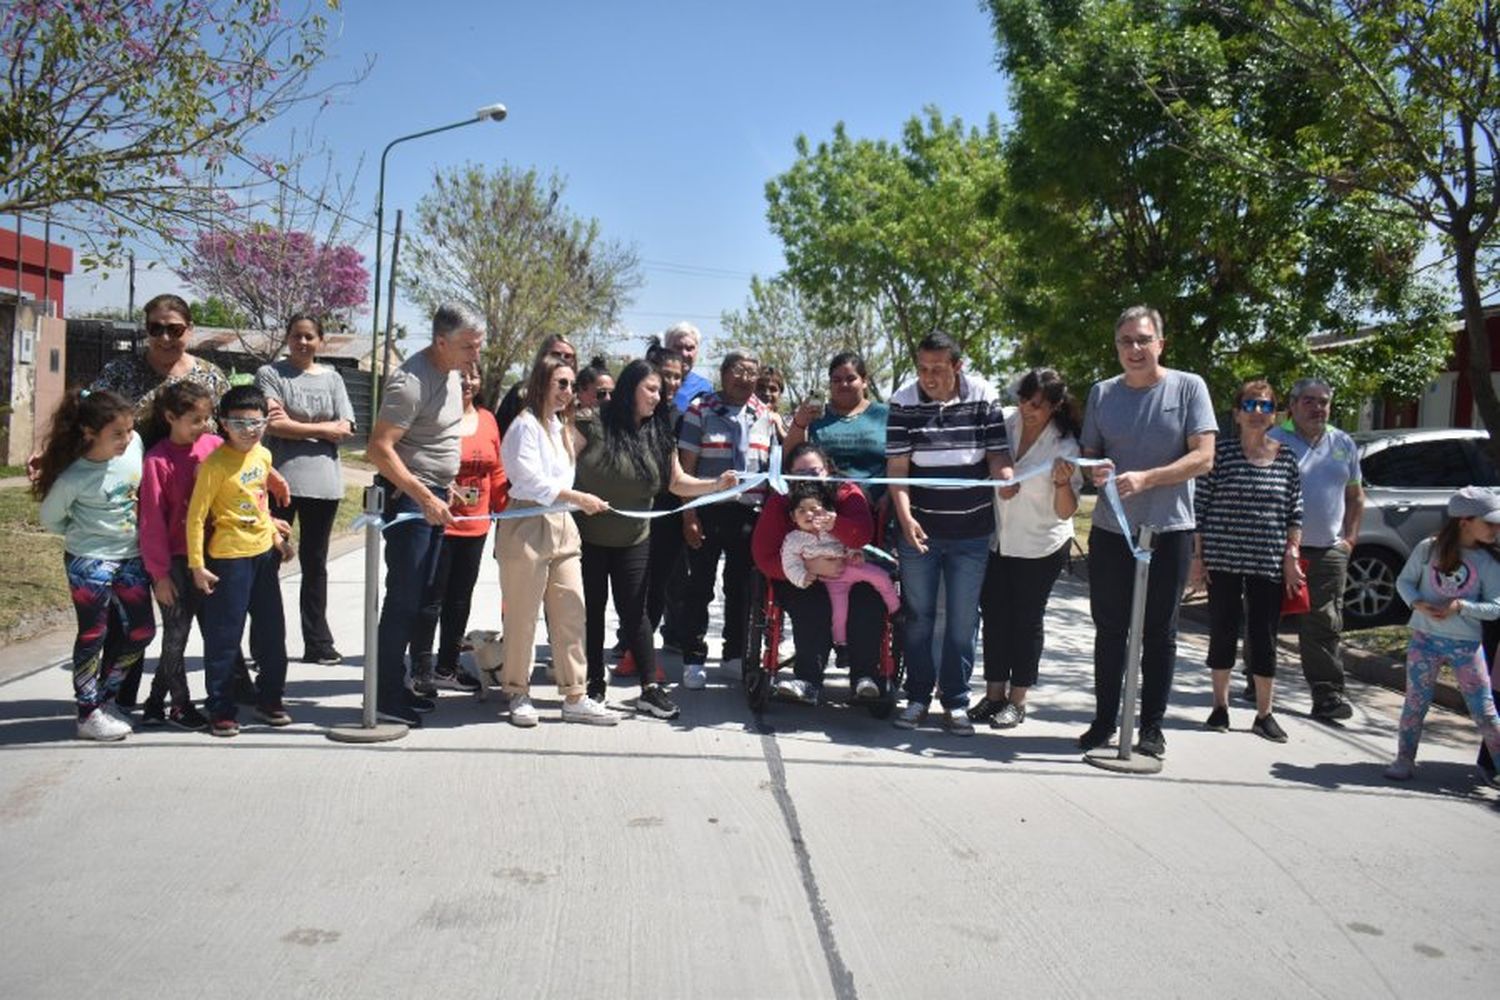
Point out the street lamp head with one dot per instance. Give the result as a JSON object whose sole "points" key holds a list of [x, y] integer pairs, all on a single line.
{"points": [[494, 112]]}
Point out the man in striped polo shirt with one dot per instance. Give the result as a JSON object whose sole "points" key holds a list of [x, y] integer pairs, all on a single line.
{"points": [[728, 429], [945, 424]]}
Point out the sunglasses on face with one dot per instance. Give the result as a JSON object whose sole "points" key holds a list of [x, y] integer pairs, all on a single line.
{"points": [[563, 383], [604, 393], [171, 330], [245, 425], [1257, 406]]}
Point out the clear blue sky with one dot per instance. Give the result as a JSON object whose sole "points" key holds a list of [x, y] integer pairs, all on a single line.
{"points": [[666, 119]]}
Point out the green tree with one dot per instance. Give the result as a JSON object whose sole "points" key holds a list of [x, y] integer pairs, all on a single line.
{"points": [[127, 119], [776, 324], [1108, 208], [911, 230], [214, 311], [501, 242], [1411, 92]]}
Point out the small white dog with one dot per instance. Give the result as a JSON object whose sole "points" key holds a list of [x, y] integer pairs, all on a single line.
{"points": [[489, 656]]}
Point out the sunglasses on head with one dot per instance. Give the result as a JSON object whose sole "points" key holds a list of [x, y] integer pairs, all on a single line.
{"points": [[1257, 406]]}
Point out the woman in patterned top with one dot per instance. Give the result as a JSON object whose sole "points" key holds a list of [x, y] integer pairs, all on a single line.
{"points": [[1249, 512], [139, 377]]}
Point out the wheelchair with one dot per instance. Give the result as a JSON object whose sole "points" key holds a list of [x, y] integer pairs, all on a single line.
{"points": [[766, 623]]}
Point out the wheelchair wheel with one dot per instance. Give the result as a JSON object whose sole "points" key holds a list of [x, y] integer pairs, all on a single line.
{"points": [[756, 678], [891, 672]]}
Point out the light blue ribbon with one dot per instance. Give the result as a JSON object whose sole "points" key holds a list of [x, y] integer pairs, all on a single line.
{"points": [[777, 480]]}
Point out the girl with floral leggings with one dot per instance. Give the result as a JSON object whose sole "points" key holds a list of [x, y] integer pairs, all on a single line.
{"points": [[1452, 584], [88, 478]]}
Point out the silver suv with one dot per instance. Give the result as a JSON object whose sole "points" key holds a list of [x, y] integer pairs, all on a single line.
{"points": [[1409, 476]]}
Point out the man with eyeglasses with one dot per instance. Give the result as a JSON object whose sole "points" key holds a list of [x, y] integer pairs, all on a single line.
{"points": [[415, 445], [1156, 427], [1333, 502], [730, 429]]}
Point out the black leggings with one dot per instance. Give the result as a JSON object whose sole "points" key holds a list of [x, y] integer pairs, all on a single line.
{"points": [[313, 534], [1228, 595], [812, 628], [1013, 602], [625, 570], [449, 598]]}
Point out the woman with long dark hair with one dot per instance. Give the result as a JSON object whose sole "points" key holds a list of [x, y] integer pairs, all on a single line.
{"points": [[1033, 531], [626, 456], [309, 416]]}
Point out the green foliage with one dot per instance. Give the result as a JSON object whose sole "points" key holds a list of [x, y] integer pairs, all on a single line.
{"points": [[911, 230], [777, 326], [122, 118], [1109, 208], [500, 241], [214, 311]]}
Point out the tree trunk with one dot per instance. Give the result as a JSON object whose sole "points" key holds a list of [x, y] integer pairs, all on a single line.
{"points": [[1485, 398]]}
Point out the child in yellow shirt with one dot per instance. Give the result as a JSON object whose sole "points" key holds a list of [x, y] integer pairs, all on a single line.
{"points": [[238, 567]]}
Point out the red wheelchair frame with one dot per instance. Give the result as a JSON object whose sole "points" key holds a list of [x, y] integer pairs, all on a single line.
{"points": [[764, 626]]}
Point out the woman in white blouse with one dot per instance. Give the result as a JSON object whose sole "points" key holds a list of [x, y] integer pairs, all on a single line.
{"points": [[1033, 530], [540, 555]]}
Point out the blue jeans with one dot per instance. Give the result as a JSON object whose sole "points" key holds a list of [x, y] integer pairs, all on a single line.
{"points": [[411, 558], [959, 563], [251, 585]]}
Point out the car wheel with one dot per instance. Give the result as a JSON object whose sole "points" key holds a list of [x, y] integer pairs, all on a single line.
{"points": [[1370, 594]]}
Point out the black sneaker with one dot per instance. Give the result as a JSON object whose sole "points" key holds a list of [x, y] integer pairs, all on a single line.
{"points": [[654, 702], [327, 657], [1332, 708], [1267, 728], [1248, 694], [153, 713], [1218, 719], [1009, 717], [1152, 743], [188, 717], [398, 713], [454, 680], [1095, 736], [985, 709], [418, 703], [421, 676]]}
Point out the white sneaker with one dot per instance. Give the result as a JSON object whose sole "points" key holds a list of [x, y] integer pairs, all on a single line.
{"points": [[957, 722], [866, 689], [911, 716], [588, 711], [522, 711], [793, 689], [118, 714], [101, 726], [694, 676], [1400, 769]]}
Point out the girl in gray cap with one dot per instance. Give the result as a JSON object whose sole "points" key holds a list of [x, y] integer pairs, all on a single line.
{"points": [[1452, 584]]}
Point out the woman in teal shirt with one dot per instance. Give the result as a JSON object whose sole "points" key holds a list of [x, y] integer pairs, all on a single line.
{"points": [[850, 429]]}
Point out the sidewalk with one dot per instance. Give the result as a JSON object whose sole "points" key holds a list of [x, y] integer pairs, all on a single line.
{"points": [[808, 852]]}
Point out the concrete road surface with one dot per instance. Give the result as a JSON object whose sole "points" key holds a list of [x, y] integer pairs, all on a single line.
{"points": [[809, 853]]}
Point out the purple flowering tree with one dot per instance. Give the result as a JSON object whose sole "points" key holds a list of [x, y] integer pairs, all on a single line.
{"points": [[129, 120], [268, 273]]}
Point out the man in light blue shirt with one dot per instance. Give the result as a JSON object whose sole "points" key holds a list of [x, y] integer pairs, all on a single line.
{"points": [[685, 340], [1333, 502]]}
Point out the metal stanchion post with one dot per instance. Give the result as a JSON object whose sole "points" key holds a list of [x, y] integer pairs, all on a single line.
{"points": [[1122, 760], [368, 729]]}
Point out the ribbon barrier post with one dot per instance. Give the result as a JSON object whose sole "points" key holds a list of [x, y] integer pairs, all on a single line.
{"points": [[1122, 760], [368, 730]]}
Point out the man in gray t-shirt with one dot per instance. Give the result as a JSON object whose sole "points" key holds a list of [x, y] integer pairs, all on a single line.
{"points": [[415, 445], [1156, 427]]}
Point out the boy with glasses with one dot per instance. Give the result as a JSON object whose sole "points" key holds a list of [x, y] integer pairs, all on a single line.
{"points": [[237, 568]]}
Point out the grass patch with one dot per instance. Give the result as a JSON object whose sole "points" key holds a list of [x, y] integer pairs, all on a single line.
{"points": [[1083, 521], [356, 457], [349, 508], [1387, 640], [7, 471], [33, 589]]}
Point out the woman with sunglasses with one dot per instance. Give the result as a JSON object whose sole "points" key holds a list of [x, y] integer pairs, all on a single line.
{"points": [[540, 555], [139, 377], [595, 385], [1249, 512]]}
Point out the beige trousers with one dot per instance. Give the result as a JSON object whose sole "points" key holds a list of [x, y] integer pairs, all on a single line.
{"points": [[540, 559]]}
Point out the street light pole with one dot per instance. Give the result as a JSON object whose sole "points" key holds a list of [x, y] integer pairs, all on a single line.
{"points": [[490, 112]]}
